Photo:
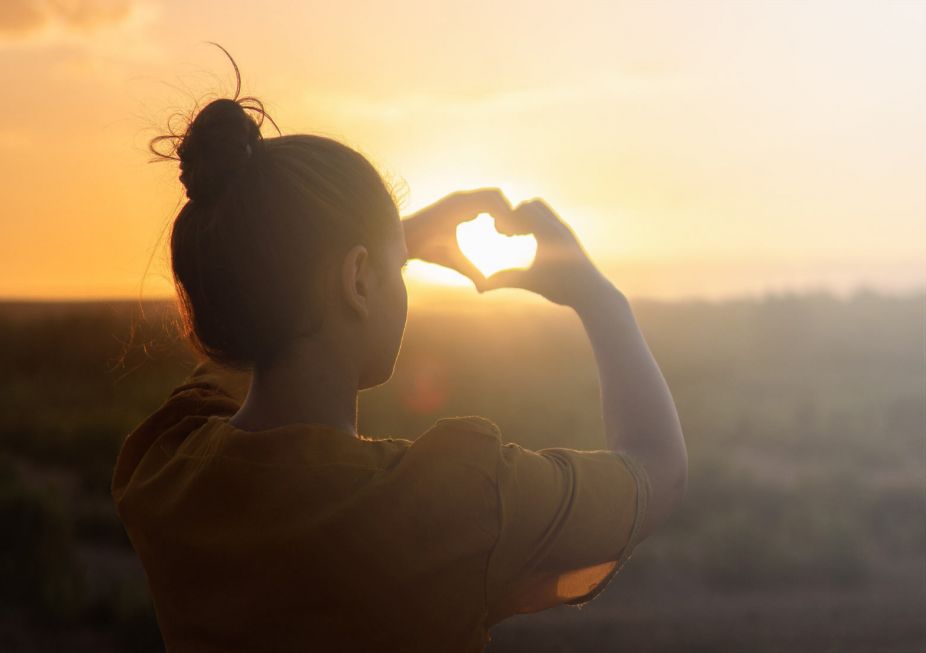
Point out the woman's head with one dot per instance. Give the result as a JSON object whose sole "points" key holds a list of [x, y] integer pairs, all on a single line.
{"points": [[282, 238]]}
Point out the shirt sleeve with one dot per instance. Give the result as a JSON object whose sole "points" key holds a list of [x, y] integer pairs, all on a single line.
{"points": [[209, 389], [568, 520], [209, 377]]}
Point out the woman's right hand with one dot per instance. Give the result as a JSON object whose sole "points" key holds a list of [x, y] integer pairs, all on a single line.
{"points": [[562, 271]]}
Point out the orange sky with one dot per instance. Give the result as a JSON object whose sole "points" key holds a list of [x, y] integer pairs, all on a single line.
{"points": [[698, 149]]}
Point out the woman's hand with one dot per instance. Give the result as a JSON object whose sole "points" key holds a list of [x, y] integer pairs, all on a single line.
{"points": [[562, 271], [431, 233]]}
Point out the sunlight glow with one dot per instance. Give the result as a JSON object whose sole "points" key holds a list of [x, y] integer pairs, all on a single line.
{"points": [[684, 171], [492, 251], [429, 273]]}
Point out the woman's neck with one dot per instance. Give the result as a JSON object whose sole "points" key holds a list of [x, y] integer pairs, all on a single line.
{"points": [[311, 383]]}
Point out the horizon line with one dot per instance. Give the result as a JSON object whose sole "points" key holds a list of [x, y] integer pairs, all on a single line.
{"points": [[457, 295]]}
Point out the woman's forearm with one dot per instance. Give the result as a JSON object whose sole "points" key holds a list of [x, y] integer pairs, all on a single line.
{"points": [[639, 414]]}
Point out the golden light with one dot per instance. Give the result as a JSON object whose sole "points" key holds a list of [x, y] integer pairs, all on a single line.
{"points": [[491, 251], [478, 239], [434, 275]]}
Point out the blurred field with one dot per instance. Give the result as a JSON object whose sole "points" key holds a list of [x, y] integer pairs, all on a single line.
{"points": [[805, 416]]}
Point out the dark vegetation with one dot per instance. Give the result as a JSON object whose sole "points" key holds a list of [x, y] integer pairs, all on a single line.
{"points": [[805, 415]]}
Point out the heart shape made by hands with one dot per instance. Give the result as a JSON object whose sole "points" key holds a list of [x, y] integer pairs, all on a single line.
{"points": [[491, 251]]}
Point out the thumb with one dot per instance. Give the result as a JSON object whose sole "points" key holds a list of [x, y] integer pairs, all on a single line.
{"points": [[505, 279], [466, 267]]}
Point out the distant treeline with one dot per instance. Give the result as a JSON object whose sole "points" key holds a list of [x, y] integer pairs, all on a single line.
{"points": [[805, 417]]}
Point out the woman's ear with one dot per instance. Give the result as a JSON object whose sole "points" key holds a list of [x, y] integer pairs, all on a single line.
{"points": [[355, 279]]}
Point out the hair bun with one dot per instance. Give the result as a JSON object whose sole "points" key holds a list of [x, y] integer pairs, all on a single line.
{"points": [[216, 148]]}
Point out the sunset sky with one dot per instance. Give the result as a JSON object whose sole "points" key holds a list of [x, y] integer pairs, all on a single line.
{"points": [[698, 149]]}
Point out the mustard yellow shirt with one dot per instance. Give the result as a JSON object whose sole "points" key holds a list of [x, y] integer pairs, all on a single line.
{"points": [[308, 538]]}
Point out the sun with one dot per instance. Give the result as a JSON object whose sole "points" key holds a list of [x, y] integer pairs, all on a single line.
{"points": [[491, 251]]}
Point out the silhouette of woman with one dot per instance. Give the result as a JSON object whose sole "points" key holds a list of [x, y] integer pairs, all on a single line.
{"points": [[264, 520]]}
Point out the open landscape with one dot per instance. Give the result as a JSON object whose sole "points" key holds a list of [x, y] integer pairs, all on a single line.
{"points": [[748, 173], [805, 415]]}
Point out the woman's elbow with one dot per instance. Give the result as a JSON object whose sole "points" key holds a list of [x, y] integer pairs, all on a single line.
{"points": [[667, 473]]}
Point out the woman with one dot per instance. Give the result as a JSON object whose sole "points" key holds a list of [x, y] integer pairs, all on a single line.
{"points": [[265, 521]]}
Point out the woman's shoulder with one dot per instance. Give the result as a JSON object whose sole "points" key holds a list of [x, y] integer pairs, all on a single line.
{"points": [[469, 441], [468, 424]]}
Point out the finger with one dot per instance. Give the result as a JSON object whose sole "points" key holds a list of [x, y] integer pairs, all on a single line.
{"points": [[544, 222], [504, 279], [526, 218], [542, 213], [484, 200], [464, 266]]}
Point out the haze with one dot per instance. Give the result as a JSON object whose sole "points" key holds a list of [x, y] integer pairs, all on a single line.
{"points": [[697, 149]]}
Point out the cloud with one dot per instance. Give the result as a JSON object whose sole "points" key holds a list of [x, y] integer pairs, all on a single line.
{"points": [[103, 36], [20, 16], [41, 19]]}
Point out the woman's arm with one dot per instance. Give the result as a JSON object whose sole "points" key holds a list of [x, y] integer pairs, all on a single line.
{"points": [[639, 413]]}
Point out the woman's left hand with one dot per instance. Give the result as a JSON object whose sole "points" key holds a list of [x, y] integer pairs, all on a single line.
{"points": [[431, 233]]}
